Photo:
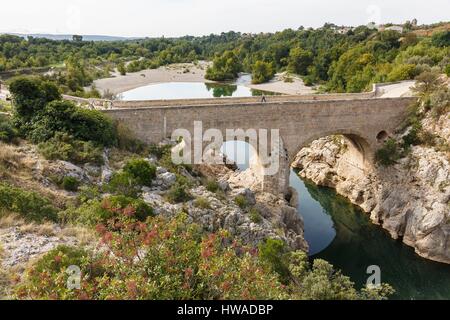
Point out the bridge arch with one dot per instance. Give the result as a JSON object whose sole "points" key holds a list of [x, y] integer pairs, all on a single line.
{"points": [[360, 146]]}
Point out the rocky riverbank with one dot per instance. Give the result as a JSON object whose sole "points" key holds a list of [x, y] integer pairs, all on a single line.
{"points": [[410, 199], [256, 218]]}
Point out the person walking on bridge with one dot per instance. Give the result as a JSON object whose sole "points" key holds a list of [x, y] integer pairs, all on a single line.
{"points": [[263, 98]]}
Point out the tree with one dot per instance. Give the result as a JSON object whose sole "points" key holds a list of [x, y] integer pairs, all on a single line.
{"points": [[31, 95], [122, 69], [428, 82], [299, 61], [225, 67], [441, 39], [262, 72]]}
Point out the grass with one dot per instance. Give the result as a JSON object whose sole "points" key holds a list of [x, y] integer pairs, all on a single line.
{"points": [[202, 203], [9, 157]]}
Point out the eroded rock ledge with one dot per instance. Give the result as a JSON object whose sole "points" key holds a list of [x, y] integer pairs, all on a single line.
{"points": [[411, 199]]}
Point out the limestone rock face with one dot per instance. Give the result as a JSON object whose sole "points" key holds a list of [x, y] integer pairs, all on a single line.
{"points": [[411, 199]]}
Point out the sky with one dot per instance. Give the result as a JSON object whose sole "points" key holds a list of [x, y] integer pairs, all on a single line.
{"points": [[170, 18]]}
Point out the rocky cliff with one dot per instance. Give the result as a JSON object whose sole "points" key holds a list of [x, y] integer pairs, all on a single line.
{"points": [[410, 199]]}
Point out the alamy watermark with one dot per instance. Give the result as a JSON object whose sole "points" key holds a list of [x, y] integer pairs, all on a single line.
{"points": [[204, 147], [374, 280]]}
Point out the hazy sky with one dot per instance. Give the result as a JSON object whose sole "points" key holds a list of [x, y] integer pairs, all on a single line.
{"points": [[199, 17]]}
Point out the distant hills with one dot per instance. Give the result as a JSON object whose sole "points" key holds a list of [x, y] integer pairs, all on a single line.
{"points": [[69, 37]]}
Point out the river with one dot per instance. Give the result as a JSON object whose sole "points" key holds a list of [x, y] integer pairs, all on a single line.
{"points": [[342, 234]]}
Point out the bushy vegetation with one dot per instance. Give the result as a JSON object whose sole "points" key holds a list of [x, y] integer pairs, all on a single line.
{"points": [[341, 62], [66, 148], [179, 193], [70, 184], [262, 72], [124, 183], [173, 259], [7, 130], [225, 67], [29, 205], [141, 170], [101, 211], [434, 100], [388, 154]]}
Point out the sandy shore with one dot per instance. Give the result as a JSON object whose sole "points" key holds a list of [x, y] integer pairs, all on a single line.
{"points": [[173, 73], [189, 73], [297, 87]]}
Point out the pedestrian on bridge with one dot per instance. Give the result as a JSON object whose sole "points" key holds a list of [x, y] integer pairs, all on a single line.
{"points": [[263, 98]]}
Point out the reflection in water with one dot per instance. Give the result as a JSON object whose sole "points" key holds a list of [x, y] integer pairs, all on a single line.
{"points": [[360, 244], [220, 90], [190, 90], [342, 234]]}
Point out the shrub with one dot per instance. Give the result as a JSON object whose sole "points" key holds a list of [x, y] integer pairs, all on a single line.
{"points": [[66, 148], [160, 151], [274, 252], [142, 171], [31, 95], [225, 67], [255, 216], [93, 125], [388, 154], [127, 141], [441, 39], [178, 193], [447, 70], [202, 203], [94, 212], [7, 132], [241, 202], [29, 205], [124, 183], [70, 184], [183, 264], [262, 72], [212, 186], [402, 72]]}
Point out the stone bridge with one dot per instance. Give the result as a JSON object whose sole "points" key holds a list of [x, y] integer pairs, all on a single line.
{"points": [[366, 120]]}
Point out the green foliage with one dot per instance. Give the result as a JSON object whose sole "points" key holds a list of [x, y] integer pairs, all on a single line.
{"points": [[70, 184], [40, 115], [161, 259], [7, 131], [141, 170], [94, 212], [441, 39], [320, 281], [255, 216], [427, 82], [241, 202], [262, 72], [275, 253], [402, 72], [124, 183], [126, 140], [29, 205], [299, 61], [388, 154], [179, 193], [122, 69], [212, 186], [31, 95], [66, 148], [225, 67], [202, 203], [447, 70]]}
